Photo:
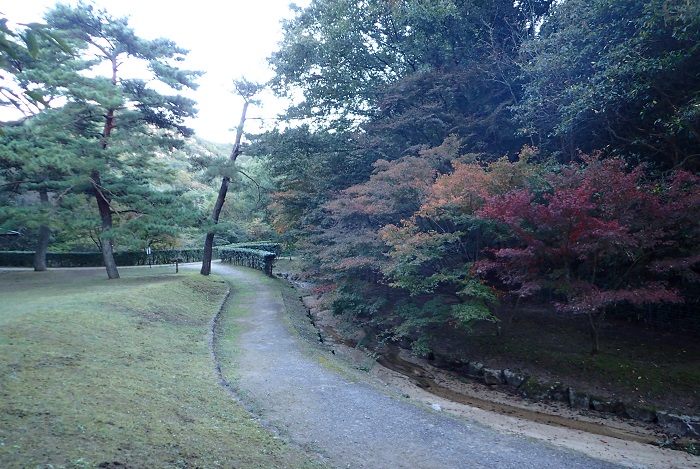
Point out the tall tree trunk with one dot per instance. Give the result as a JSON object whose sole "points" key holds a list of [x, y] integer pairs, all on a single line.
{"points": [[594, 327], [106, 244], [103, 204], [221, 198], [209, 240], [42, 245], [208, 252]]}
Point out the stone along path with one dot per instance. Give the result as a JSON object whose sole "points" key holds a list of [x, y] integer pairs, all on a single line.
{"points": [[345, 417]]}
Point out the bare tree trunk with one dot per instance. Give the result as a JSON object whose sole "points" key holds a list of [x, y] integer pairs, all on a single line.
{"points": [[209, 241], [105, 210], [594, 327], [42, 245], [103, 204], [208, 253], [108, 258], [221, 198]]}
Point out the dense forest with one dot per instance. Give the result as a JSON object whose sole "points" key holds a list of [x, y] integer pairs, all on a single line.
{"points": [[444, 163], [458, 159]]}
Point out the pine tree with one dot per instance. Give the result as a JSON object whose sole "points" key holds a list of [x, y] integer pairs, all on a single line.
{"points": [[121, 123], [247, 91]]}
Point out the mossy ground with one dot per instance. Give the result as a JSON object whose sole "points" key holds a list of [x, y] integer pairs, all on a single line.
{"points": [[649, 367], [97, 372]]}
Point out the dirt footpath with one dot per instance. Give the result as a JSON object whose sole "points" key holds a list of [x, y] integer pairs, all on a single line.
{"points": [[357, 419]]}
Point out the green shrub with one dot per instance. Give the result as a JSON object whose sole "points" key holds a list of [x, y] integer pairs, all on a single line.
{"points": [[94, 259], [269, 246], [254, 258]]}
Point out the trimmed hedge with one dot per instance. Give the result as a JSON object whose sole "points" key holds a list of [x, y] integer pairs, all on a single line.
{"points": [[181, 255], [94, 259], [268, 246], [254, 258]]}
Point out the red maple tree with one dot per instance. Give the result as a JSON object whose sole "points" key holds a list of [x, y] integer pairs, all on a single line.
{"points": [[599, 235]]}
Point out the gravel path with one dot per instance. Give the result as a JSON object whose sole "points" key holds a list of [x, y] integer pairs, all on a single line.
{"points": [[347, 418]]}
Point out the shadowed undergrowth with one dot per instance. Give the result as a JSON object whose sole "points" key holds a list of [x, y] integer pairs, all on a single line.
{"points": [[642, 365]]}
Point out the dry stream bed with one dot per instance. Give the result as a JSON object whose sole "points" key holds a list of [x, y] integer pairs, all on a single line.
{"points": [[597, 434]]}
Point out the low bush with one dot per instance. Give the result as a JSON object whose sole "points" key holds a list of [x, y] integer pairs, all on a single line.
{"points": [[269, 246], [94, 259], [254, 258]]}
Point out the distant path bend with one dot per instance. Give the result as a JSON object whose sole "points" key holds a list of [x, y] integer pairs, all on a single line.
{"points": [[349, 422]]}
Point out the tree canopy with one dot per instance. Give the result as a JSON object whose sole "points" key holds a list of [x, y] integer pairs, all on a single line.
{"points": [[464, 130], [619, 76]]}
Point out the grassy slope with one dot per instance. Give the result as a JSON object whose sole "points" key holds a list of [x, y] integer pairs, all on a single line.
{"points": [[94, 371]]}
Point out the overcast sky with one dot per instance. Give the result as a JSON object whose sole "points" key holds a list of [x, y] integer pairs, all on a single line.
{"points": [[227, 40]]}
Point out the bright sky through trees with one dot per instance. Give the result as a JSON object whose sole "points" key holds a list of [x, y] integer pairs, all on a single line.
{"points": [[227, 40]]}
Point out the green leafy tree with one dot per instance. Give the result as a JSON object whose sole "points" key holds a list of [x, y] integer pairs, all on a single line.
{"points": [[340, 54], [335, 52], [409, 73], [30, 160], [619, 76], [307, 167], [18, 49], [37, 177], [116, 117]]}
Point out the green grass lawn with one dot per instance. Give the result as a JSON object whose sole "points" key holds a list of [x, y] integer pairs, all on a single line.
{"points": [[117, 373]]}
